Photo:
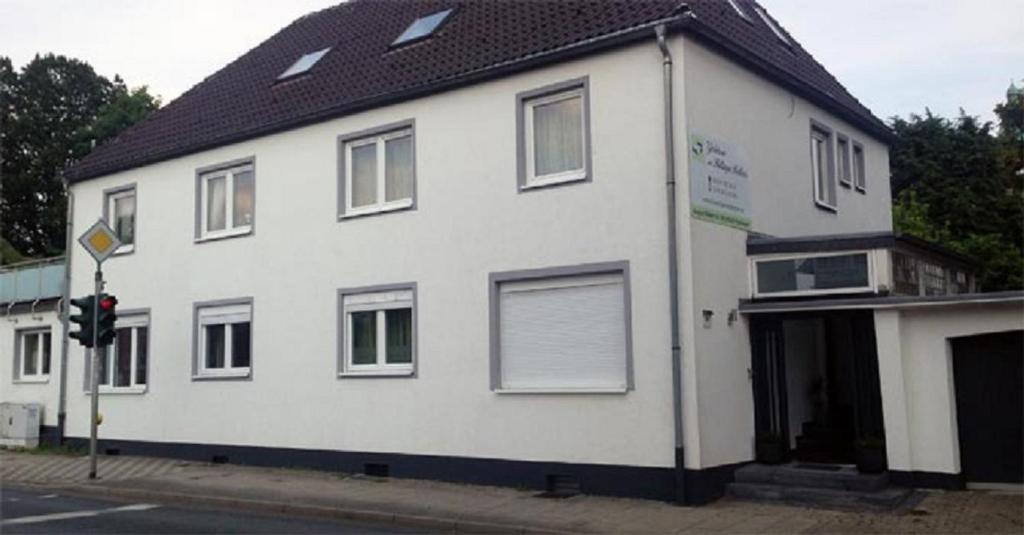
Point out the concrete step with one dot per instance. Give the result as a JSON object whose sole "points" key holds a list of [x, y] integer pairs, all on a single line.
{"points": [[807, 475], [885, 499]]}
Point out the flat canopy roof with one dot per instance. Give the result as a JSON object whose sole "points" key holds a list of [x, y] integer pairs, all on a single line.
{"points": [[852, 242], [890, 301]]}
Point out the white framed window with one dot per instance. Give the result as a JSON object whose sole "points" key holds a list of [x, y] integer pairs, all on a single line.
{"points": [[226, 200], [379, 171], [859, 172], [223, 339], [554, 137], [790, 275], [823, 167], [378, 331], [561, 331], [843, 151], [33, 349], [125, 368], [422, 27], [119, 212]]}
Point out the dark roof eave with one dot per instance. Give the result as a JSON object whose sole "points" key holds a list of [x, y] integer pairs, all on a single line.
{"points": [[569, 52], [675, 24]]}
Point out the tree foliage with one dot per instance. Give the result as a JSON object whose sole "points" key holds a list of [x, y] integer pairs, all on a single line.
{"points": [[956, 182], [53, 112]]}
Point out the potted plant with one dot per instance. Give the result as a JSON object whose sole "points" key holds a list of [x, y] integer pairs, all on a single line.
{"points": [[770, 448], [871, 455]]}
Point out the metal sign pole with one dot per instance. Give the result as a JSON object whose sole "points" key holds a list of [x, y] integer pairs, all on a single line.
{"points": [[94, 386]]}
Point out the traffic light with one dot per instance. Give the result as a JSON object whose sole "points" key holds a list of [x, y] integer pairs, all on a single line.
{"points": [[106, 319], [84, 320]]}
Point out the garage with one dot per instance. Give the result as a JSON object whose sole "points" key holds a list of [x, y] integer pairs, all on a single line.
{"points": [[989, 381]]}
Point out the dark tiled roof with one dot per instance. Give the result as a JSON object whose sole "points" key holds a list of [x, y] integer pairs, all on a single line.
{"points": [[481, 39]]}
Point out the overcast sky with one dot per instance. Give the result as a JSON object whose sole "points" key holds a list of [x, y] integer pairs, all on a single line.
{"points": [[896, 56]]}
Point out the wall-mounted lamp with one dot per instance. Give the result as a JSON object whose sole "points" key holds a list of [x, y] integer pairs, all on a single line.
{"points": [[707, 317], [733, 317]]}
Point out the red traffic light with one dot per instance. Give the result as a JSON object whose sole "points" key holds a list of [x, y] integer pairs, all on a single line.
{"points": [[108, 303]]}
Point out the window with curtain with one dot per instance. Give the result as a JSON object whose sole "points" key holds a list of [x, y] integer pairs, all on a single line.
{"points": [[379, 172], [859, 173], [555, 137], [224, 340], [843, 150], [227, 203], [119, 213], [124, 368], [822, 168], [378, 332], [33, 353]]}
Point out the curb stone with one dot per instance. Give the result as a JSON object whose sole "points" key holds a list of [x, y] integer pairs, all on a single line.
{"points": [[317, 511]]}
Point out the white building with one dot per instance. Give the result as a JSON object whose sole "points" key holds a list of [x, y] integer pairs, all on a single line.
{"points": [[471, 263]]}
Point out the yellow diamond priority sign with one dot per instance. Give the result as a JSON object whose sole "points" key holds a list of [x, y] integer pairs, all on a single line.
{"points": [[100, 241]]}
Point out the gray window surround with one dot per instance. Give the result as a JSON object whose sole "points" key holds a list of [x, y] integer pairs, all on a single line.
{"points": [[406, 124], [108, 389], [196, 307], [494, 281], [862, 188], [107, 193], [200, 172], [822, 128], [844, 173], [18, 334], [340, 325], [582, 83]]}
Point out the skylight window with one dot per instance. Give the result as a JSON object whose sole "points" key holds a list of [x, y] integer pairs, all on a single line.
{"points": [[771, 24], [736, 6], [304, 63], [422, 27]]}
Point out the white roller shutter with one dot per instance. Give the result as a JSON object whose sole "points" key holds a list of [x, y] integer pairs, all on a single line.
{"points": [[563, 333]]}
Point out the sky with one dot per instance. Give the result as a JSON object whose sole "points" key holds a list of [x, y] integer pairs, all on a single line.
{"points": [[897, 56]]}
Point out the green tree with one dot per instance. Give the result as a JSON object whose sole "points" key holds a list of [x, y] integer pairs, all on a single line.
{"points": [[955, 183], [54, 111]]}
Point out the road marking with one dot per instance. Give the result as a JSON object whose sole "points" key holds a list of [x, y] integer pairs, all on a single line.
{"points": [[77, 514], [48, 496]]}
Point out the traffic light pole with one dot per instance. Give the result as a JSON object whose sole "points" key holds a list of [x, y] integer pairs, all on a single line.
{"points": [[94, 386]]}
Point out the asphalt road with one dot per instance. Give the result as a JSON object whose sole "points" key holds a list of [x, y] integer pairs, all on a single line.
{"points": [[36, 511]]}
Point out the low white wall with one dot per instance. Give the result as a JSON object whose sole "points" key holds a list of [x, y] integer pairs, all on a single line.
{"points": [[45, 393], [916, 371]]}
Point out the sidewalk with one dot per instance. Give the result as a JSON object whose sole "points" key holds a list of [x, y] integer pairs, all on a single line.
{"points": [[451, 507]]}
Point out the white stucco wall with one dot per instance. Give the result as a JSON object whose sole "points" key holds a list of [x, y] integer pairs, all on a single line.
{"points": [[772, 127], [916, 371], [15, 391], [469, 221]]}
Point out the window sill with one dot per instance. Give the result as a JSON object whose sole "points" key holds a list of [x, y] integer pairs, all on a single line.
{"points": [[226, 376], [560, 391], [377, 373], [398, 207], [845, 184], [124, 250], [555, 180], [120, 390], [861, 189], [826, 207], [223, 235], [32, 380]]}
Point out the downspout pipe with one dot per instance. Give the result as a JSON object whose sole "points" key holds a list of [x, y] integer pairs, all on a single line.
{"points": [[62, 400], [673, 269]]}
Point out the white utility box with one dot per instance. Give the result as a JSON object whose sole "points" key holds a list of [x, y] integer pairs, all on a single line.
{"points": [[19, 424]]}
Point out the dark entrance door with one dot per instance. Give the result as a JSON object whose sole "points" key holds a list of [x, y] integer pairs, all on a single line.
{"points": [[989, 380], [816, 384]]}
